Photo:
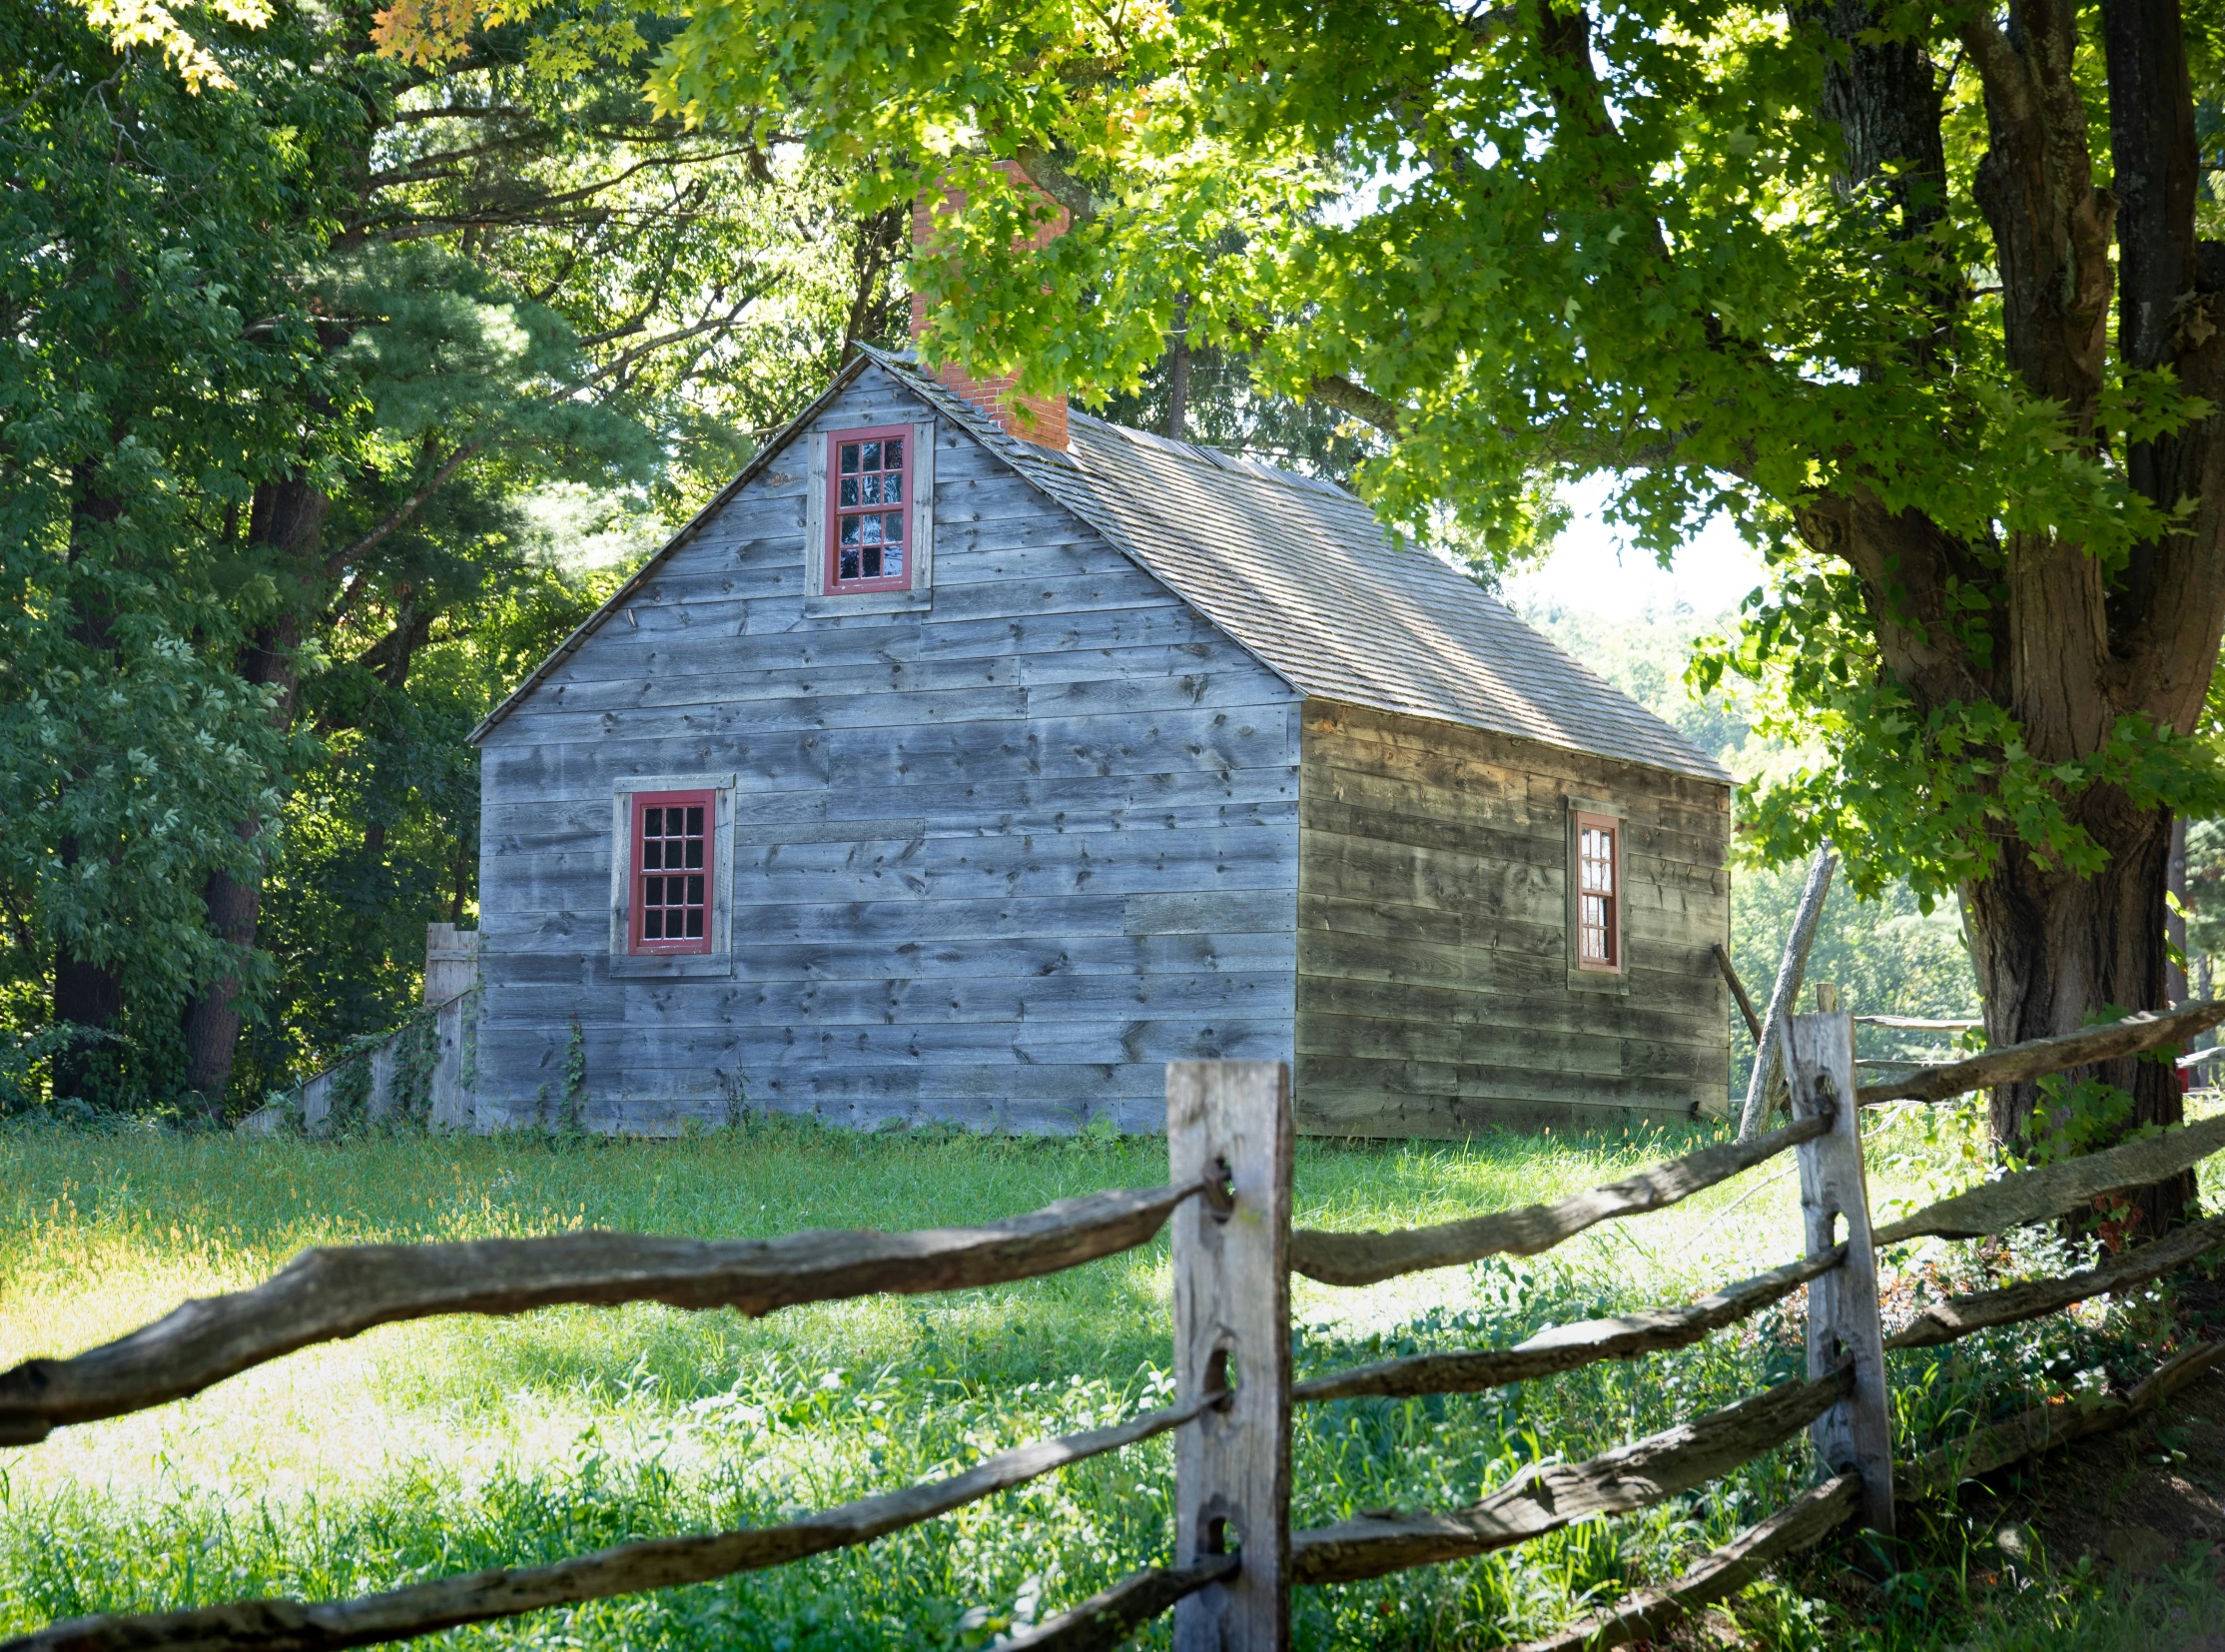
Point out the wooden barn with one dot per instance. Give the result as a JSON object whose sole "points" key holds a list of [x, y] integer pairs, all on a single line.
{"points": [[952, 765]]}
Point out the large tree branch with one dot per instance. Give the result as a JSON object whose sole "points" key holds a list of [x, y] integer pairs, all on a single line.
{"points": [[1049, 173], [1999, 68], [1333, 389], [406, 510], [461, 112]]}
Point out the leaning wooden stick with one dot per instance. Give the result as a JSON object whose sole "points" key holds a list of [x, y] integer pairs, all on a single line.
{"points": [[1567, 1347], [657, 1563], [2037, 1057], [326, 1295], [1738, 992], [1769, 1048], [1366, 1258]]}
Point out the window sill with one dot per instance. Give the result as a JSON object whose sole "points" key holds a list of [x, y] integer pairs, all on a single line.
{"points": [[1599, 981], [868, 602], [669, 966]]}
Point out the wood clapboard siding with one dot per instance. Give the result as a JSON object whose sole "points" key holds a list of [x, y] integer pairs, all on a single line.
{"points": [[995, 862], [1433, 995]]}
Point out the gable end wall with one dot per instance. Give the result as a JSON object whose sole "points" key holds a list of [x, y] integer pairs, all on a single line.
{"points": [[995, 862]]}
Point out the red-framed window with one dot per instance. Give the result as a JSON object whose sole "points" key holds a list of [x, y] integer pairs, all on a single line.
{"points": [[869, 509], [673, 834], [1599, 930]]}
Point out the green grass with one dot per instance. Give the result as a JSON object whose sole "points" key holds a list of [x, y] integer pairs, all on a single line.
{"points": [[439, 1447]]}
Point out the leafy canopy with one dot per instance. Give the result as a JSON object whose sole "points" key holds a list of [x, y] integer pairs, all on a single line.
{"points": [[1526, 244]]}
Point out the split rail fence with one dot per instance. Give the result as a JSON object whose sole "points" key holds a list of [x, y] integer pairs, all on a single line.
{"points": [[1228, 1200]]}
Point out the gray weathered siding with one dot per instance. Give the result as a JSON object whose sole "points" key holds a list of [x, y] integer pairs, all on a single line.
{"points": [[1433, 994], [995, 862]]}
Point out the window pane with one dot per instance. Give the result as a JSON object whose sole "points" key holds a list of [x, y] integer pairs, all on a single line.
{"points": [[892, 487], [695, 820], [652, 822], [695, 923], [653, 892], [849, 530], [892, 453], [652, 925], [871, 460], [695, 893], [849, 489], [651, 849], [892, 526], [848, 566], [695, 852], [872, 526], [872, 562], [892, 560], [871, 494], [849, 457]]}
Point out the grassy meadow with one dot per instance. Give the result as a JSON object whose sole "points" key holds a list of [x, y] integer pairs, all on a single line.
{"points": [[446, 1446]]}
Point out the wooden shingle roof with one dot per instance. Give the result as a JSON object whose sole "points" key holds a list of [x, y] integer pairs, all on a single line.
{"points": [[1302, 574]]}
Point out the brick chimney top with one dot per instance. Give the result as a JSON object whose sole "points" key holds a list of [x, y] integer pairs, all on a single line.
{"points": [[1045, 424]]}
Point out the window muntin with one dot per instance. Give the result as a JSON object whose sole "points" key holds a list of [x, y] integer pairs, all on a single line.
{"points": [[672, 853], [1599, 943], [869, 515]]}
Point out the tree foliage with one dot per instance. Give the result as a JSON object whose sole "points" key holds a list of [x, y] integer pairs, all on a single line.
{"points": [[303, 345]]}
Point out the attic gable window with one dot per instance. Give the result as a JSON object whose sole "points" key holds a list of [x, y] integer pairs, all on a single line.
{"points": [[868, 522], [673, 840]]}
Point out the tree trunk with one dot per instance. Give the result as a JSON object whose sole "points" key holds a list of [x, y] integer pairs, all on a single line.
{"points": [[85, 995], [289, 516], [2051, 949]]}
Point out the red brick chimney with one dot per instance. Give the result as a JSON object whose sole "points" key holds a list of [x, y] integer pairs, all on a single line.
{"points": [[1047, 425]]}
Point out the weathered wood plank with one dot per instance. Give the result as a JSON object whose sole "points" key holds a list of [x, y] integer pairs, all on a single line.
{"points": [[871, 762], [1367, 1257], [1220, 911], [629, 1568], [1232, 1330], [1583, 1054], [1960, 1316], [1506, 829], [654, 706], [1843, 1326], [2039, 1056], [932, 999], [332, 1294], [2055, 1189], [1569, 1348], [1108, 1617], [1259, 1036], [1800, 1524], [1443, 757], [1383, 1098], [1548, 1496]]}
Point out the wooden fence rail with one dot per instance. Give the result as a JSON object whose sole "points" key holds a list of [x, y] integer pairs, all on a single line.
{"points": [[1229, 1197], [330, 1294]]}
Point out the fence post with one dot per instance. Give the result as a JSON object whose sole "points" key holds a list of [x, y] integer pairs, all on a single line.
{"points": [[1856, 1435], [1232, 1328]]}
